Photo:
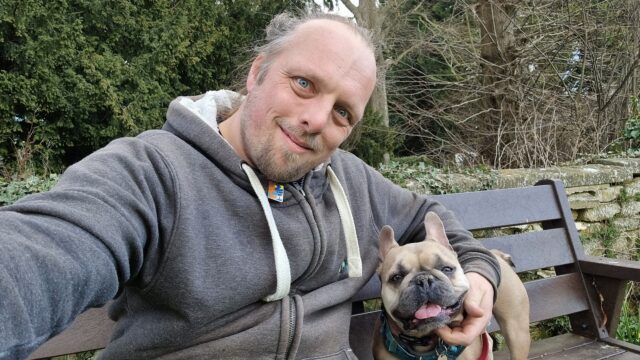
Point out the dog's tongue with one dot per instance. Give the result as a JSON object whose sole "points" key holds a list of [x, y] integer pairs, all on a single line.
{"points": [[428, 310]]}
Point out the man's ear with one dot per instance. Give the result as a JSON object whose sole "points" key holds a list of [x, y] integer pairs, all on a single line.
{"points": [[386, 243], [254, 71], [435, 229]]}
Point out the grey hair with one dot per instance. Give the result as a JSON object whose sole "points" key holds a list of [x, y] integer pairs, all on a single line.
{"points": [[282, 27]]}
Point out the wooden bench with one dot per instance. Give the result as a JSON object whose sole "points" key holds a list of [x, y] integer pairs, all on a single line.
{"points": [[589, 290]]}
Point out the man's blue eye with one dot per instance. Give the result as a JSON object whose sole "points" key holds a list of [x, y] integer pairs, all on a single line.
{"points": [[343, 113], [304, 83]]}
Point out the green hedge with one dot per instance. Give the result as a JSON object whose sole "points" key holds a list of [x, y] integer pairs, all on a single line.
{"points": [[14, 190]]}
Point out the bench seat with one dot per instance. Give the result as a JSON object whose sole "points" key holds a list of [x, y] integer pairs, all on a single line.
{"points": [[573, 347]]}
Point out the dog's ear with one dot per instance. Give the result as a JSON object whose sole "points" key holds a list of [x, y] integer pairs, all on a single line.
{"points": [[435, 229], [387, 242]]}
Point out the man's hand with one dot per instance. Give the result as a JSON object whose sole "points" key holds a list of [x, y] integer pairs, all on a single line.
{"points": [[478, 306]]}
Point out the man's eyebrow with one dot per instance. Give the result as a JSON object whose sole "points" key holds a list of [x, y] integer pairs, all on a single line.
{"points": [[313, 76]]}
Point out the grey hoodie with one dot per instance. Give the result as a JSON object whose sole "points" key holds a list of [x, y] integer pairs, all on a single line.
{"points": [[167, 224]]}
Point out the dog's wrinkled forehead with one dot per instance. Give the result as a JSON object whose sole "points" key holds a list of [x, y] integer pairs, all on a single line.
{"points": [[423, 256]]}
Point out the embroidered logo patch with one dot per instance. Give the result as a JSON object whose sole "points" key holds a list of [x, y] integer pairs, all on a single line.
{"points": [[275, 192]]}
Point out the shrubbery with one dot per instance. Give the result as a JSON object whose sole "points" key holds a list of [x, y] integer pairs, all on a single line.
{"points": [[12, 191], [75, 74]]}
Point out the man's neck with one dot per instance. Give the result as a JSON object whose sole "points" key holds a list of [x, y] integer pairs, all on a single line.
{"points": [[230, 131]]}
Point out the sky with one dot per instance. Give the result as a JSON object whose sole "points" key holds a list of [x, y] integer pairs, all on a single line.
{"points": [[340, 9]]}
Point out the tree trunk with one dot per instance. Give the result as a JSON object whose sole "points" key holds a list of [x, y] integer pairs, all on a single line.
{"points": [[498, 50]]}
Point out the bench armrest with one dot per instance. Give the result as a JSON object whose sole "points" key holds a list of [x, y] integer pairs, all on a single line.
{"points": [[611, 268]]}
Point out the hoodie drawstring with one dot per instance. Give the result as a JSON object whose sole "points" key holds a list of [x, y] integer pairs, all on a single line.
{"points": [[283, 272], [354, 262]]}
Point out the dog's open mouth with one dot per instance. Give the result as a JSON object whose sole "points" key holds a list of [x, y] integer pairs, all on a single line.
{"points": [[431, 310]]}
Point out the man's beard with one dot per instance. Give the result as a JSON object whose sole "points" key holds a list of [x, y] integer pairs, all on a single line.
{"points": [[265, 154]]}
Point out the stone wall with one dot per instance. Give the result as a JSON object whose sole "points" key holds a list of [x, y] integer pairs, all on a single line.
{"points": [[604, 198]]}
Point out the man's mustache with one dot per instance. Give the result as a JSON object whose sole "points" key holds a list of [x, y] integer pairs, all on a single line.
{"points": [[311, 141]]}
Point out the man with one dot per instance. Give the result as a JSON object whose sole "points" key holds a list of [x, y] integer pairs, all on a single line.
{"points": [[237, 231]]}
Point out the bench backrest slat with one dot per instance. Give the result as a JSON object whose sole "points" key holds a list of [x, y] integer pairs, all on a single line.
{"points": [[91, 330], [534, 250], [503, 207], [562, 294]]}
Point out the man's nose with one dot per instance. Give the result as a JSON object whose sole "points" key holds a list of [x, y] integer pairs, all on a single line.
{"points": [[316, 115]]}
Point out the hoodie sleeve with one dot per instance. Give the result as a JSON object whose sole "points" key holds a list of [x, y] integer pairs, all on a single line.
{"points": [[405, 210], [75, 246]]}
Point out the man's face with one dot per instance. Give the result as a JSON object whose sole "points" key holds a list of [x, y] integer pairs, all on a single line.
{"points": [[311, 96]]}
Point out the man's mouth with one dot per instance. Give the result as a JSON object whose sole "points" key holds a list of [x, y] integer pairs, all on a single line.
{"points": [[299, 144]]}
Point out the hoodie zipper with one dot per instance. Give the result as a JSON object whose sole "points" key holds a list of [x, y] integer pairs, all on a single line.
{"points": [[298, 185], [292, 326]]}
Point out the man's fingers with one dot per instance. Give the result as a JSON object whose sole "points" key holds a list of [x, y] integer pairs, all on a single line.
{"points": [[464, 334], [477, 305], [474, 310], [456, 335], [445, 334]]}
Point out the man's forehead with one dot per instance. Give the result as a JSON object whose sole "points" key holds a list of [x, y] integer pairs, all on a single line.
{"points": [[332, 34], [327, 27]]}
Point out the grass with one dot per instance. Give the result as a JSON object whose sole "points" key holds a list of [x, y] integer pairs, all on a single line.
{"points": [[629, 327]]}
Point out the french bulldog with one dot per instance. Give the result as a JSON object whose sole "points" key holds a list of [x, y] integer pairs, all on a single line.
{"points": [[424, 287]]}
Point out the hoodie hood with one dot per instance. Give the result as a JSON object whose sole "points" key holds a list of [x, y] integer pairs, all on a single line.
{"points": [[213, 106]]}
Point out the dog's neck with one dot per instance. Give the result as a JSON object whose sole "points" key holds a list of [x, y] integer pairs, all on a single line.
{"points": [[406, 347]]}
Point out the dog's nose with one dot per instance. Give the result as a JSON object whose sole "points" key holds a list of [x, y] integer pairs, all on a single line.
{"points": [[424, 280]]}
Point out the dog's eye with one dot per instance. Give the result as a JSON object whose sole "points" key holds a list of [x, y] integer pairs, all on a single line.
{"points": [[447, 269], [396, 278]]}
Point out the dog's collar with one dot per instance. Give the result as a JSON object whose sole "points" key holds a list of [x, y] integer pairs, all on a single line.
{"points": [[485, 346], [398, 345]]}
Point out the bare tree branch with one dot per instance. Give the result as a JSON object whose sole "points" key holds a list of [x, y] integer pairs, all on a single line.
{"points": [[630, 73]]}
